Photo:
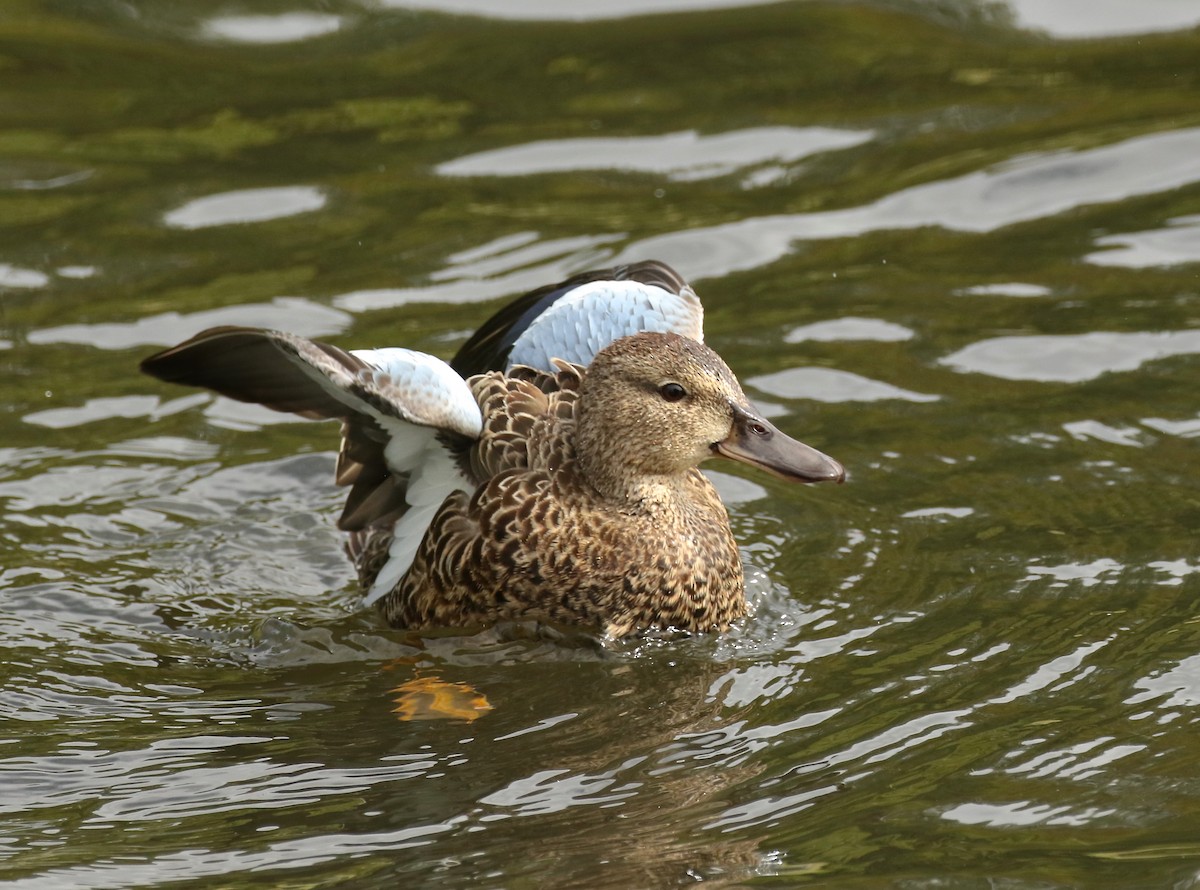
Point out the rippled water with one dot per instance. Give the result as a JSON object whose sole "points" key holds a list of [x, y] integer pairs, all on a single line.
{"points": [[958, 253]]}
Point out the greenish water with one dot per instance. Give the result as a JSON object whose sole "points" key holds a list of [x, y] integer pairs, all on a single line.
{"points": [[958, 255]]}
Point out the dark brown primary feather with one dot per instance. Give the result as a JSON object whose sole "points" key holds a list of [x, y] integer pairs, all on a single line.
{"points": [[251, 365]]}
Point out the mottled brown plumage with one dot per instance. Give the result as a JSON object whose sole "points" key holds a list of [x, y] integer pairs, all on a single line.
{"points": [[590, 508], [570, 497]]}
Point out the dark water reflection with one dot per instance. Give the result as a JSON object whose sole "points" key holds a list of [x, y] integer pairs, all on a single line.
{"points": [[957, 255]]}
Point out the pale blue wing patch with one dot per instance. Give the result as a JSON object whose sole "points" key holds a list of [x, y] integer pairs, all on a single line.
{"points": [[582, 322], [422, 389]]}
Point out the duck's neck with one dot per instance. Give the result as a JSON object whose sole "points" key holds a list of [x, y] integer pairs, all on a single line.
{"points": [[620, 478], [650, 494]]}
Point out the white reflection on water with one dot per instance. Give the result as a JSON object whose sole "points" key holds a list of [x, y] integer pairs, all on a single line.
{"points": [[556, 10], [734, 489], [1006, 289], [731, 745], [744, 685], [512, 252], [943, 513], [770, 809], [1070, 358], [246, 206], [74, 484], [113, 407], [76, 272], [1022, 813], [1061, 672], [1070, 762], [244, 416], [156, 789], [1087, 574], [885, 745], [1175, 570], [33, 183], [78, 775], [1181, 685], [849, 328], [1187, 429], [1103, 432], [829, 385], [15, 276], [167, 447], [519, 266], [1061, 18], [284, 28], [554, 790], [295, 314], [681, 156], [1105, 18], [94, 629], [189, 864], [1020, 190], [1178, 243]]}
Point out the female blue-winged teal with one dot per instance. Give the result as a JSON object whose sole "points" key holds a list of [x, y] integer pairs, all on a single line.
{"points": [[559, 482]]}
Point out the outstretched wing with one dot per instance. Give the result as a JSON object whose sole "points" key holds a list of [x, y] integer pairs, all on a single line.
{"points": [[313, 379], [393, 403]]}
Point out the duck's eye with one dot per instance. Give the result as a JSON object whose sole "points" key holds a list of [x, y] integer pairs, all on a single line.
{"points": [[672, 392]]}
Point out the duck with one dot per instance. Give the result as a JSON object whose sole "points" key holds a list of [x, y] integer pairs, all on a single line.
{"points": [[549, 472]]}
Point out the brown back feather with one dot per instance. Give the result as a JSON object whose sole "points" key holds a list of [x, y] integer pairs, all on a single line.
{"points": [[524, 413]]}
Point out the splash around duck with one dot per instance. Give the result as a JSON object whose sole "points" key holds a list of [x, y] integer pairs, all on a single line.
{"points": [[549, 489]]}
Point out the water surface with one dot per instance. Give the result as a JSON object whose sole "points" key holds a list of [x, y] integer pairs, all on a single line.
{"points": [[953, 245]]}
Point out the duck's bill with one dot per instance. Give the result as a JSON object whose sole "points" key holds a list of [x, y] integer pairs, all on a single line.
{"points": [[754, 440]]}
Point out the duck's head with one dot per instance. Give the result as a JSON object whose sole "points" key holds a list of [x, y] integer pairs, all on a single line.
{"points": [[659, 404]]}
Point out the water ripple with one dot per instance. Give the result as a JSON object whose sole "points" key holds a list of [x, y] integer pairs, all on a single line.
{"points": [[295, 314], [1178, 243], [1022, 813], [246, 206], [1178, 686], [191, 864], [829, 385], [1070, 358], [1021, 190], [264, 29], [685, 156]]}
